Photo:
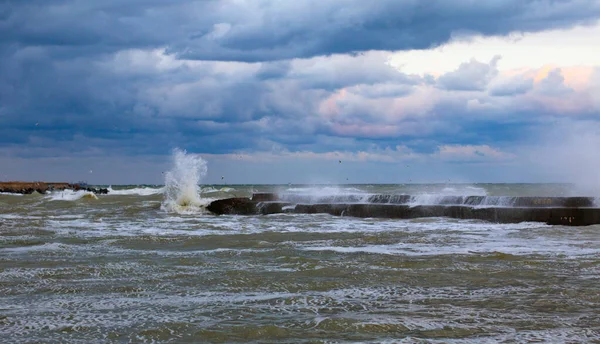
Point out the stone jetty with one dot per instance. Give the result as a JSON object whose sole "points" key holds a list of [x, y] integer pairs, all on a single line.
{"points": [[43, 187], [568, 211]]}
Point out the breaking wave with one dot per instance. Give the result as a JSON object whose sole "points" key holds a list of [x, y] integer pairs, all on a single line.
{"points": [[182, 192], [209, 190], [10, 194], [458, 194], [71, 195]]}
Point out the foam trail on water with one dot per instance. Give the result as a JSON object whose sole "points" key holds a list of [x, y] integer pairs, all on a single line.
{"points": [[182, 189]]}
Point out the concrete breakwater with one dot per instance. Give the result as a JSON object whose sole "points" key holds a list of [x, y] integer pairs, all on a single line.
{"points": [[475, 201], [568, 211], [43, 187]]}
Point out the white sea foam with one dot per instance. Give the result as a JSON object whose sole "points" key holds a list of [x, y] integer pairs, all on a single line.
{"points": [[182, 189], [147, 191], [10, 194], [34, 248], [442, 237], [17, 216]]}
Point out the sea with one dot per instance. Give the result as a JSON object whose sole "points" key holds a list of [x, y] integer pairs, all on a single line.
{"points": [[149, 264]]}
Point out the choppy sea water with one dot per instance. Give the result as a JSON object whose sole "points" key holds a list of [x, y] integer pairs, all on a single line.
{"points": [[124, 268]]}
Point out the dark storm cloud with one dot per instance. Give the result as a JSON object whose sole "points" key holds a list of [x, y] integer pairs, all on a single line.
{"points": [[274, 30], [290, 29], [274, 70]]}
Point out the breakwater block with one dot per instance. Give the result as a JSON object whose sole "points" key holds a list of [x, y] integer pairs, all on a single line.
{"points": [[233, 206], [264, 197], [575, 211]]}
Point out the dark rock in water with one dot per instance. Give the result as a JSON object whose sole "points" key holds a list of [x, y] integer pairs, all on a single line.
{"points": [[97, 191], [233, 206]]}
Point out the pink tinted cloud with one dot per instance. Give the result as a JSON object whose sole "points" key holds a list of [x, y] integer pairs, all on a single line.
{"points": [[574, 94], [330, 106]]}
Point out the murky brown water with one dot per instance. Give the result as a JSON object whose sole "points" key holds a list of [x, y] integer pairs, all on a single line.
{"points": [[121, 269]]}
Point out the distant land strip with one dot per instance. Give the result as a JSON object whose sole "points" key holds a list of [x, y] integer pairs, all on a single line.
{"points": [[27, 188]]}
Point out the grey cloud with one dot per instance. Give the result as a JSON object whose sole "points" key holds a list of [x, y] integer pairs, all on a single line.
{"points": [[339, 71], [470, 76], [384, 90], [514, 86]]}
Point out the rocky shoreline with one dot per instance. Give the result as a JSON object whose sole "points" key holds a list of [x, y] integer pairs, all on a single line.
{"points": [[27, 188]]}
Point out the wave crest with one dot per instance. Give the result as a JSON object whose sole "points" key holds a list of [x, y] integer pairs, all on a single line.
{"points": [[146, 191]]}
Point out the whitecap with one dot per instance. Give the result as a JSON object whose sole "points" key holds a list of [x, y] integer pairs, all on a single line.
{"points": [[71, 195]]}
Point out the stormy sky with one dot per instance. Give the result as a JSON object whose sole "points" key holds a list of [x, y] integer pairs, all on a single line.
{"points": [[281, 91]]}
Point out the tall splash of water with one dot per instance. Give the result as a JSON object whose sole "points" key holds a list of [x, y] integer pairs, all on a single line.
{"points": [[182, 189]]}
